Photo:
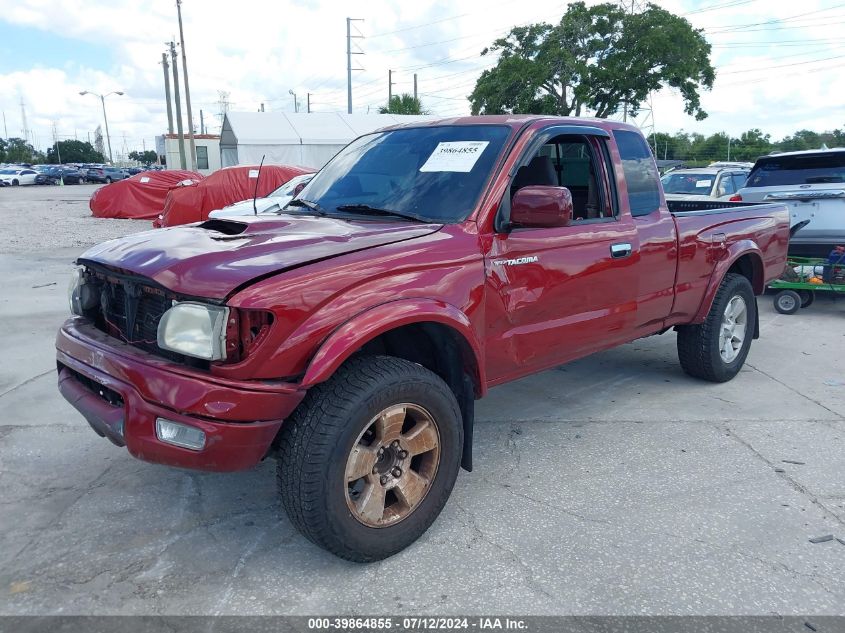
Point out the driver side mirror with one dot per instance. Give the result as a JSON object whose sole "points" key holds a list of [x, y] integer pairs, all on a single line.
{"points": [[538, 206]]}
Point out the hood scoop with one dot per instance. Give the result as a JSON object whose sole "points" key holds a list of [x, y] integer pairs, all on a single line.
{"points": [[227, 227]]}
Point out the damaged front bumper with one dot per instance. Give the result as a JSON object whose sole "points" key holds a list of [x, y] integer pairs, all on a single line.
{"points": [[121, 391]]}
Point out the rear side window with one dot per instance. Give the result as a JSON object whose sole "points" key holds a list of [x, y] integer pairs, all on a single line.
{"points": [[804, 169], [640, 172]]}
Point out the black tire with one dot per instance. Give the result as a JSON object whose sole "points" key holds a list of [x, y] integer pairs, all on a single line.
{"points": [[787, 302], [698, 345], [108, 181], [807, 297], [15, 183], [318, 438]]}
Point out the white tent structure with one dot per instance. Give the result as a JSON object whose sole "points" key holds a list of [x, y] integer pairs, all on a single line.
{"points": [[306, 139]]}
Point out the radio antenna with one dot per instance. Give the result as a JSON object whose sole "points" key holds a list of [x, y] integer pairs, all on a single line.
{"points": [[257, 180]]}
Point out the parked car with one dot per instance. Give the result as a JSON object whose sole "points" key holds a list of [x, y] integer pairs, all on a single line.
{"points": [[105, 174], [51, 175], [424, 264], [706, 183], [812, 184], [272, 203], [15, 177]]}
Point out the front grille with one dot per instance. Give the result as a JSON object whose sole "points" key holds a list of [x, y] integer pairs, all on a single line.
{"points": [[130, 310]]}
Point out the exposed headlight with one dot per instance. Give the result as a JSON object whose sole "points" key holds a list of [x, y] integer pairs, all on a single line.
{"points": [[73, 292], [194, 329]]}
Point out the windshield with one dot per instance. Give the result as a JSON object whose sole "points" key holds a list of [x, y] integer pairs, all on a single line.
{"points": [[798, 170], [688, 183], [434, 173], [287, 188]]}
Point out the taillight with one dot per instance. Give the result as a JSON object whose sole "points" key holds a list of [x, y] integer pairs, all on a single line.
{"points": [[245, 330], [735, 198]]}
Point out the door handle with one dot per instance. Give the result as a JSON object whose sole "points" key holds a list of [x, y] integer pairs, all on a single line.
{"points": [[617, 251]]}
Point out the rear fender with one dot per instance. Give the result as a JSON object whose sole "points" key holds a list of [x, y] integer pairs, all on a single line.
{"points": [[366, 326], [732, 254]]}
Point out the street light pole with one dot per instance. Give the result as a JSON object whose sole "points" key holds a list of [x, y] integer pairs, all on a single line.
{"points": [[105, 118], [295, 105]]}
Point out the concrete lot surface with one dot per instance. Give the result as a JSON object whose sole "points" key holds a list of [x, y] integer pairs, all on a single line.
{"points": [[613, 485]]}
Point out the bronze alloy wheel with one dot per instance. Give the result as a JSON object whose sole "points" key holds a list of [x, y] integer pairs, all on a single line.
{"points": [[391, 466]]}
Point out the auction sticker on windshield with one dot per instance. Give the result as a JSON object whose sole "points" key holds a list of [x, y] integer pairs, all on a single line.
{"points": [[459, 156]]}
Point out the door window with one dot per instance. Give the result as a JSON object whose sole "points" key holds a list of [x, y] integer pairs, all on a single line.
{"points": [[568, 161], [640, 172], [725, 186]]}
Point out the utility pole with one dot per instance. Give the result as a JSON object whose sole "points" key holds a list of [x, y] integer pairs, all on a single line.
{"points": [[23, 119], [729, 148], [308, 102], [389, 87], [180, 135], [165, 66], [202, 123], [5, 129], [187, 89], [415, 86], [349, 54]]}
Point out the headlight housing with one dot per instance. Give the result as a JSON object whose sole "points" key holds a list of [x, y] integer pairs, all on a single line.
{"points": [[194, 329], [73, 289]]}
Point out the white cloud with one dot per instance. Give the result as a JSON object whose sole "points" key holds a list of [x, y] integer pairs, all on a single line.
{"points": [[258, 51]]}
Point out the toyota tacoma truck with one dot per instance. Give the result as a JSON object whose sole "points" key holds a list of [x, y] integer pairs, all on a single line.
{"points": [[349, 335]]}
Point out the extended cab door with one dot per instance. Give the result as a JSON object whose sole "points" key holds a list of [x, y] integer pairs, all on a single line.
{"points": [[554, 294]]}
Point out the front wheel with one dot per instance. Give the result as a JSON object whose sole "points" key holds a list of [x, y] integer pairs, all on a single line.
{"points": [[787, 302], [108, 181], [716, 349], [369, 458]]}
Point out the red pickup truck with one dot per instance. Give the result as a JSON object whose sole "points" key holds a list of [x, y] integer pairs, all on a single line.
{"points": [[350, 335]]}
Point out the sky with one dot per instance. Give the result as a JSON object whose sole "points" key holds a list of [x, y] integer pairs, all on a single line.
{"points": [[779, 63]]}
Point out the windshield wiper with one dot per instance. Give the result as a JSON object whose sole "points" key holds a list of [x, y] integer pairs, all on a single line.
{"points": [[299, 202], [365, 209]]}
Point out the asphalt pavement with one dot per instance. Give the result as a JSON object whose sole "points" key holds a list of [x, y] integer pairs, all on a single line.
{"points": [[612, 485]]}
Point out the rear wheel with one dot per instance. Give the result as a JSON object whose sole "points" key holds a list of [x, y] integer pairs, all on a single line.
{"points": [[370, 457], [807, 297], [716, 349], [108, 180], [787, 302]]}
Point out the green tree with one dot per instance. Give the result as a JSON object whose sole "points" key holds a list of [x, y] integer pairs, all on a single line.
{"points": [[73, 151], [17, 150], [403, 104], [596, 59], [751, 145], [147, 158]]}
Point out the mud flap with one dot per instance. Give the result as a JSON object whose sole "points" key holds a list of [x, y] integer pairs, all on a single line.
{"points": [[467, 404], [756, 320]]}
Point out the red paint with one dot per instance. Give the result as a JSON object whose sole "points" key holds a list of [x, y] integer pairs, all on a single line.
{"points": [[541, 207], [332, 286]]}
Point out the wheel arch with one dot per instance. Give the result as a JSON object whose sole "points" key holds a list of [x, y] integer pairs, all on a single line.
{"points": [[396, 320], [743, 258], [432, 333]]}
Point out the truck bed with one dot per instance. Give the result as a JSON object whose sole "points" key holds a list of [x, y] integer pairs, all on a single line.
{"points": [[709, 231]]}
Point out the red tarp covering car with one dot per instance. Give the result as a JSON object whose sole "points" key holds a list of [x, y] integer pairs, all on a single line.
{"points": [[140, 197], [223, 187]]}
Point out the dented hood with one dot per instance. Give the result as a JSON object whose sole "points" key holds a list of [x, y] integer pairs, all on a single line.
{"points": [[217, 257]]}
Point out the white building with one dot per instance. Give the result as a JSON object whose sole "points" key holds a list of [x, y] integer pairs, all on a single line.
{"points": [[305, 139], [207, 146]]}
